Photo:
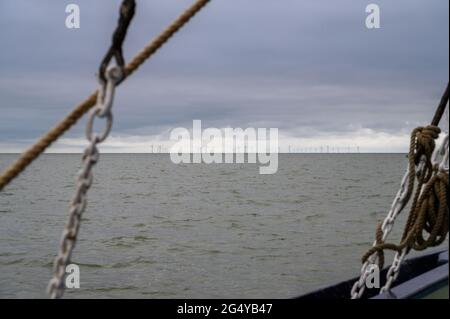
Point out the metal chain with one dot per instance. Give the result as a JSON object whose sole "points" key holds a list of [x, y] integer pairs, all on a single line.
{"points": [[102, 110], [398, 205], [109, 79], [441, 160]]}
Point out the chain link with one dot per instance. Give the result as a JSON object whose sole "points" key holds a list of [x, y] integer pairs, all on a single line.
{"points": [[84, 180]]}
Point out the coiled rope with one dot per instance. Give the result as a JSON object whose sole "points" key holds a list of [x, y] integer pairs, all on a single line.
{"points": [[53, 134], [429, 208]]}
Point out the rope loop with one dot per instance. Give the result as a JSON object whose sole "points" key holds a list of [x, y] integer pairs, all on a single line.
{"points": [[127, 11]]}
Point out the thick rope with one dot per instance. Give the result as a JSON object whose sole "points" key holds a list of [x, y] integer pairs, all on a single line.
{"points": [[51, 136], [429, 208]]}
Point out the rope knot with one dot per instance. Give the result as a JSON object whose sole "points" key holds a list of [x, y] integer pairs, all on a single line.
{"points": [[425, 141]]}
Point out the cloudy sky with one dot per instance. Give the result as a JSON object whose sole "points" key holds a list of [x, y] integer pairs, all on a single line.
{"points": [[310, 68]]}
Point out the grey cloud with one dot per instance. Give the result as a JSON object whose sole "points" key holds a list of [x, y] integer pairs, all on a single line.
{"points": [[307, 67]]}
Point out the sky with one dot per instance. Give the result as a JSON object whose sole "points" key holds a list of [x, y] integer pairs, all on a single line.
{"points": [[309, 68]]}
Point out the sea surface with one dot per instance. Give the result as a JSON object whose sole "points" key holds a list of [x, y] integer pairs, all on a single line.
{"points": [[154, 229]]}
